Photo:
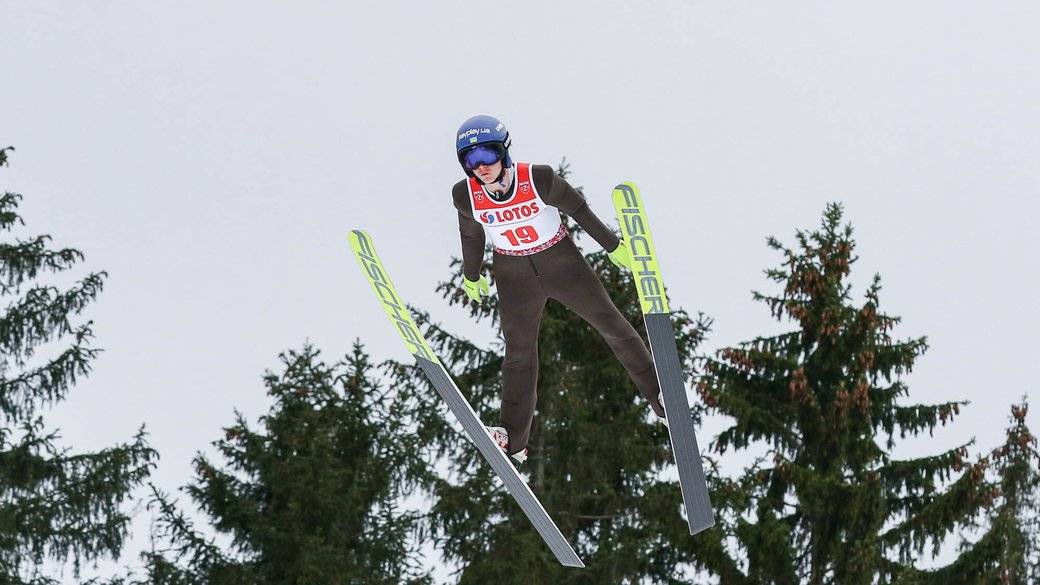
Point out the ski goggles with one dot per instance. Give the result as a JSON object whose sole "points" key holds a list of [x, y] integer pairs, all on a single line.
{"points": [[488, 153]]}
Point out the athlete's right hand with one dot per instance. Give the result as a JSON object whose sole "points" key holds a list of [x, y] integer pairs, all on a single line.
{"points": [[474, 288], [621, 256]]}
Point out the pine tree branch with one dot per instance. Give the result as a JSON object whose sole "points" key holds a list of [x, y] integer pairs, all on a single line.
{"points": [[68, 506], [933, 517], [42, 315], [20, 397], [917, 476], [26, 259], [917, 418]]}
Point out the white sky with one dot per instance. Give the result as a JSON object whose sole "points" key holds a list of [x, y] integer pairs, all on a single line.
{"points": [[212, 158]]}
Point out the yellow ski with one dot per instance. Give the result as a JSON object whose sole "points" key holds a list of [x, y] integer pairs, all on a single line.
{"points": [[395, 308], [657, 317]]}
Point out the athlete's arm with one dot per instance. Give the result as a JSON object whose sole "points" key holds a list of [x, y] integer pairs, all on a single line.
{"points": [[471, 232], [557, 192]]}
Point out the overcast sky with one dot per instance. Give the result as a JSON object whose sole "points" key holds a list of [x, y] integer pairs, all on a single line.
{"points": [[212, 156]]}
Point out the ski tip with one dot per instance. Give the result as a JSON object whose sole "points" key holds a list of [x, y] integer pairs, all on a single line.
{"points": [[359, 239], [625, 195]]}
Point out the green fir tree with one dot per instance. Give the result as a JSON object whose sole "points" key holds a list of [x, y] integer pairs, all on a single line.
{"points": [[1008, 550], [829, 503], [314, 496], [56, 506]]}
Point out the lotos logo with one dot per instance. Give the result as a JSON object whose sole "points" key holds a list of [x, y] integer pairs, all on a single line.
{"points": [[514, 213]]}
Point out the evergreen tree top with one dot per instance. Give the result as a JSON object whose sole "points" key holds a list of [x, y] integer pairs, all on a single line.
{"points": [[834, 505]]}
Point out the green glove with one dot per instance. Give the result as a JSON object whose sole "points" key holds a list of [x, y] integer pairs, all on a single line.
{"points": [[621, 256], [474, 288]]}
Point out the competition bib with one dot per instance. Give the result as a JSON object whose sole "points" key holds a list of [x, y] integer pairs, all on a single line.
{"points": [[521, 225]]}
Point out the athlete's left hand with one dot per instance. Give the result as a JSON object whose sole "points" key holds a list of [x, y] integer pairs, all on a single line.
{"points": [[475, 288], [621, 256]]}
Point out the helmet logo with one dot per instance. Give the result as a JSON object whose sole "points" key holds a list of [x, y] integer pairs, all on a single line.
{"points": [[472, 132]]}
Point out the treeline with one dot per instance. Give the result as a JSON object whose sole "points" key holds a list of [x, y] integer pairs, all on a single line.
{"points": [[356, 473]]}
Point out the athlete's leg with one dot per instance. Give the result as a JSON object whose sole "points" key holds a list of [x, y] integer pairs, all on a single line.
{"points": [[521, 301], [568, 278]]}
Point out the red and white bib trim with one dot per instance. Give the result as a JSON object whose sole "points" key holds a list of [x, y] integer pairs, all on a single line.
{"points": [[560, 234]]}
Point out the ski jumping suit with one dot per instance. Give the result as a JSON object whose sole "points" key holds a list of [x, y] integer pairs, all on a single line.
{"points": [[535, 259]]}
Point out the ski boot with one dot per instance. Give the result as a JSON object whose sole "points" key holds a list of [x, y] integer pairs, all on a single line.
{"points": [[661, 418], [501, 438]]}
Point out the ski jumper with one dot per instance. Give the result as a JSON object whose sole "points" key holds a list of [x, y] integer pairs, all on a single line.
{"points": [[535, 259]]}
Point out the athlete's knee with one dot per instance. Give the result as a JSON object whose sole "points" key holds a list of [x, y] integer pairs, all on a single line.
{"points": [[615, 327], [520, 359]]}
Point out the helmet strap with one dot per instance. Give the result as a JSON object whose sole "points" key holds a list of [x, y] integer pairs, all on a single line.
{"points": [[501, 178]]}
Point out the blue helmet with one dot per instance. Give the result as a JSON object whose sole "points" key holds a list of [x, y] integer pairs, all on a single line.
{"points": [[486, 130]]}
